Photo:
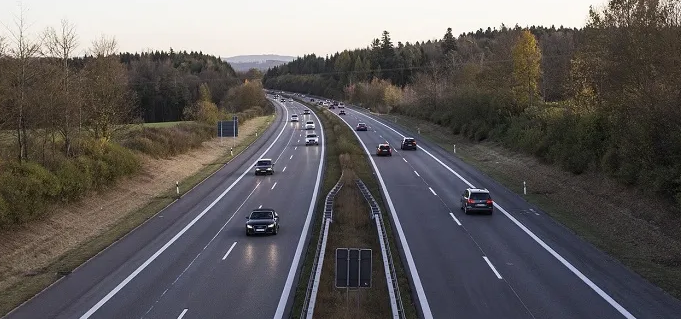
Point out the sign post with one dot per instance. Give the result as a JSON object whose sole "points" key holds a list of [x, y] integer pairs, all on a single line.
{"points": [[353, 270]]}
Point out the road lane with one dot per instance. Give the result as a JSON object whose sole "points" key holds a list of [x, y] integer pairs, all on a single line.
{"points": [[96, 280], [548, 288]]}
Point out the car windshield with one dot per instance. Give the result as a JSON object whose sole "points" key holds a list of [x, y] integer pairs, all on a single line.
{"points": [[311, 135], [409, 140], [310, 122], [262, 215], [361, 124], [479, 196], [384, 147], [264, 163]]}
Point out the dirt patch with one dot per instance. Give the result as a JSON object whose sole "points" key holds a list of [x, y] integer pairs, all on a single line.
{"points": [[25, 250], [352, 228], [641, 230]]}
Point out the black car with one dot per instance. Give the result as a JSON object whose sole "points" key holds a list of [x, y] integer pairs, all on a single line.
{"points": [[306, 112], [342, 112], [408, 143], [262, 221], [477, 200], [361, 127], [264, 166]]}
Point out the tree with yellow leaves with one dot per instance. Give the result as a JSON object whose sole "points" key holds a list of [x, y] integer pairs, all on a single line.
{"points": [[526, 70]]}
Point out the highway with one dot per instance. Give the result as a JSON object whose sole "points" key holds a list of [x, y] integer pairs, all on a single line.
{"points": [[193, 259], [516, 263]]}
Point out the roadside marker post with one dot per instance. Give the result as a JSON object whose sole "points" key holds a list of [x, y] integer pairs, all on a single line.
{"points": [[524, 188], [454, 148], [177, 188]]}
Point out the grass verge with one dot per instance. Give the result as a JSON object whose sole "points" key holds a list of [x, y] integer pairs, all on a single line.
{"points": [[345, 153], [41, 278], [633, 227]]}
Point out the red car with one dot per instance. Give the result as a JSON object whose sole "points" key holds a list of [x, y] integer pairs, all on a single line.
{"points": [[384, 149]]}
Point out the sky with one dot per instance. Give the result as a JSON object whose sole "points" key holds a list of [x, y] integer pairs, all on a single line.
{"points": [[285, 27]]}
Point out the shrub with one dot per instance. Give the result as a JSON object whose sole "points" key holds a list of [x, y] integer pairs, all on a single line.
{"points": [[26, 188]]}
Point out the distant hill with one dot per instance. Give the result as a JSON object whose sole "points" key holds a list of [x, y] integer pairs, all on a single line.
{"points": [[261, 62]]}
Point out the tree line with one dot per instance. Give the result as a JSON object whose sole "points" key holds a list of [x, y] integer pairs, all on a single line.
{"points": [[68, 123], [605, 97]]}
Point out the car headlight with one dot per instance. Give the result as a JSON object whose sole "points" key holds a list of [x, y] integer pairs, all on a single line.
{"points": [[249, 226], [270, 225], [269, 169]]}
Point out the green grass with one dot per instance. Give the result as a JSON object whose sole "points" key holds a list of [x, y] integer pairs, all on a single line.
{"points": [[166, 124], [30, 286], [340, 139]]}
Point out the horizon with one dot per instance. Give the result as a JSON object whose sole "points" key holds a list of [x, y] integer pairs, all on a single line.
{"points": [[284, 28]]}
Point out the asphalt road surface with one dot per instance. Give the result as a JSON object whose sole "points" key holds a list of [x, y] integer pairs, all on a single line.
{"points": [[193, 259], [516, 263]]}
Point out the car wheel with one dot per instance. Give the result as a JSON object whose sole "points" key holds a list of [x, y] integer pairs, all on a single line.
{"points": [[247, 233], [276, 230]]}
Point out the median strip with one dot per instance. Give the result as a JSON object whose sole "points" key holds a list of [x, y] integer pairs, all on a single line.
{"points": [[352, 227]]}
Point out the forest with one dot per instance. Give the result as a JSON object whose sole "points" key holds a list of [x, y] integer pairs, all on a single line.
{"points": [[605, 97], [72, 123]]}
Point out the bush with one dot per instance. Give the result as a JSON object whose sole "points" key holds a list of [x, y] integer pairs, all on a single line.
{"points": [[26, 189]]}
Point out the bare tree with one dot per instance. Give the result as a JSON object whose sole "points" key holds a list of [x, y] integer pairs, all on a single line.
{"points": [[107, 97], [61, 44], [3, 46], [104, 46], [24, 52]]}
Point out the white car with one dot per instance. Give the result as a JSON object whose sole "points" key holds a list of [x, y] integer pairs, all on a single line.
{"points": [[290, 100], [294, 118], [311, 139], [309, 125]]}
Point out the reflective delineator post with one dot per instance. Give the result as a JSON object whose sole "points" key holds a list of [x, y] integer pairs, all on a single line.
{"points": [[454, 148], [524, 188], [177, 188]]}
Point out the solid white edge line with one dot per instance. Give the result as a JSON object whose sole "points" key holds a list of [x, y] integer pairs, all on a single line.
{"points": [[492, 266], [229, 251], [425, 307], [153, 257], [417, 174], [455, 219], [432, 191], [283, 300], [538, 240], [275, 185], [182, 314]]}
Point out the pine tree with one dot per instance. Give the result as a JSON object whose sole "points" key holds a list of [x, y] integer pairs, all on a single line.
{"points": [[448, 43]]}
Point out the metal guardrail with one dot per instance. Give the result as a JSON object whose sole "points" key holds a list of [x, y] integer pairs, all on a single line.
{"points": [[388, 264], [313, 283]]}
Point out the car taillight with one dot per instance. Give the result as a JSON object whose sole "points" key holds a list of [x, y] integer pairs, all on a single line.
{"points": [[471, 201], [489, 201]]}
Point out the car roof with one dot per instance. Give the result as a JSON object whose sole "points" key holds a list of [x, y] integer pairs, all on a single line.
{"points": [[409, 138], [384, 144], [478, 190], [265, 159], [268, 210], [361, 123]]}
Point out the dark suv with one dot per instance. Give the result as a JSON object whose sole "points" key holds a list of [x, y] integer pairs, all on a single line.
{"points": [[262, 221], [408, 143], [264, 166], [477, 200], [361, 127]]}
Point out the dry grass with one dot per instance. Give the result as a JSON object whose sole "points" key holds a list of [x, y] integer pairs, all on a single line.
{"points": [[28, 250], [352, 228], [641, 230]]}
